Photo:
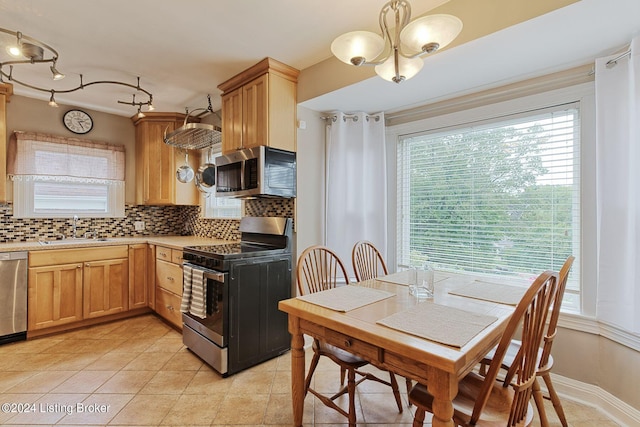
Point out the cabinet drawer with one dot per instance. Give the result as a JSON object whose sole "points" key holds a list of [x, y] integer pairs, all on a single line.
{"points": [[163, 253], [176, 256], [168, 306], [169, 276]]}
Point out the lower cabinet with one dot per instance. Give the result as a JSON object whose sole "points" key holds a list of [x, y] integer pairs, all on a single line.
{"points": [[106, 287], [257, 329], [169, 280], [66, 286], [55, 295]]}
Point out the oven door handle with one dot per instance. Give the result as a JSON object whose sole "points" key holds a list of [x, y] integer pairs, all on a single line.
{"points": [[214, 275]]}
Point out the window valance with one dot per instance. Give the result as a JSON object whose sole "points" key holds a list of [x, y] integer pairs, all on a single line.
{"points": [[33, 153]]}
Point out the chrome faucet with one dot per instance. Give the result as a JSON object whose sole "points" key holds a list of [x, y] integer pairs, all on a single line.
{"points": [[75, 220]]}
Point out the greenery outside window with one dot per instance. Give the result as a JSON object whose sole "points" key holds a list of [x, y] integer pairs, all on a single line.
{"points": [[497, 198]]}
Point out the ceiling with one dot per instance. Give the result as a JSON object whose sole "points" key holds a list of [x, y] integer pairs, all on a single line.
{"points": [[182, 50]]}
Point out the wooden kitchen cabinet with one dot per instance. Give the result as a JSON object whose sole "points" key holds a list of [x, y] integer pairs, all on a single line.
{"points": [[55, 295], [169, 281], [138, 275], [6, 90], [157, 162], [68, 286], [105, 287], [259, 107]]}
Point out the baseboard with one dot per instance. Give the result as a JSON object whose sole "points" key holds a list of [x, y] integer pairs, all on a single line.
{"points": [[619, 411]]}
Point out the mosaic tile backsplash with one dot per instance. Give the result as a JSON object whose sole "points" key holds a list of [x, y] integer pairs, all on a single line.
{"points": [[159, 220]]}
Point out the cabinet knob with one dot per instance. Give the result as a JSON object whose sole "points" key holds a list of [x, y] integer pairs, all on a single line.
{"points": [[347, 343], [171, 279]]}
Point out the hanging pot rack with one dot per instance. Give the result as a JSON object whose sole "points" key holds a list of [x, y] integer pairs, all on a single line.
{"points": [[194, 136]]}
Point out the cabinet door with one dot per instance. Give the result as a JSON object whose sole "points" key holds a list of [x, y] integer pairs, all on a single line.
{"points": [[232, 121], [106, 287], [138, 271], [55, 295], [255, 112], [274, 325], [160, 173], [257, 329]]}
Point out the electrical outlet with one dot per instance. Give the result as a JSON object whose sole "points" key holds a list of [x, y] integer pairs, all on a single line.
{"points": [[139, 225]]}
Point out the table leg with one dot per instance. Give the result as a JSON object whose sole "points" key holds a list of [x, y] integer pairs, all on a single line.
{"points": [[297, 370], [444, 388]]}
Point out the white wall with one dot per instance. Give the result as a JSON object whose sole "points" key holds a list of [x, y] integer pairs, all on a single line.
{"points": [[311, 165]]}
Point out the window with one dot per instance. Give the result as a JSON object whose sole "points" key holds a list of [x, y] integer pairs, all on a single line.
{"points": [[58, 177], [221, 207], [496, 197]]}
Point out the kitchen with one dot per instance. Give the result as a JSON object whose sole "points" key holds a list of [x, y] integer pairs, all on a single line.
{"points": [[308, 206]]}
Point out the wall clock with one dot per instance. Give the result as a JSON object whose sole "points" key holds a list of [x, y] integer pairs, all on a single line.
{"points": [[77, 121]]}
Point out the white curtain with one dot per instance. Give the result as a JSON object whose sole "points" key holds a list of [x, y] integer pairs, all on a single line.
{"points": [[356, 183], [618, 189]]}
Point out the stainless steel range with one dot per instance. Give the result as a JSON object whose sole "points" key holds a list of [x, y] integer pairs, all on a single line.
{"points": [[239, 324]]}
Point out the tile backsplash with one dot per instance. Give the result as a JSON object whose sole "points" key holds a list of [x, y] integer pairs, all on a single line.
{"points": [[158, 220]]}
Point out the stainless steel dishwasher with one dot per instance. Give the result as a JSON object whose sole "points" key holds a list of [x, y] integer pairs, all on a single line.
{"points": [[13, 296]]}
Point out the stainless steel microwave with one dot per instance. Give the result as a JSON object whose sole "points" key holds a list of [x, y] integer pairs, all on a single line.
{"points": [[256, 172]]}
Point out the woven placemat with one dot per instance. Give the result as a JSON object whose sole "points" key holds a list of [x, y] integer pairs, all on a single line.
{"points": [[346, 298], [399, 278], [439, 323], [494, 292]]}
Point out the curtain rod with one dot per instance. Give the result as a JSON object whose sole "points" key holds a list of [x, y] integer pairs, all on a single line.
{"points": [[614, 61], [353, 117]]}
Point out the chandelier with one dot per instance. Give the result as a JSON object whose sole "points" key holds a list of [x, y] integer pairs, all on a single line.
{"points": [[28, 50], [396, 53]]}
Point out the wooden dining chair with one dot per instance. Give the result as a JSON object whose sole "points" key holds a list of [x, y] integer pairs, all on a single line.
{"points": [[367, 260], [319, 269], [545, 360], [368, 263], [483, 401]]}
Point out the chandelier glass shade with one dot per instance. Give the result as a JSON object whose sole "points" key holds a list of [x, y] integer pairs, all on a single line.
{"points": [[29, 51], [396, 52]]}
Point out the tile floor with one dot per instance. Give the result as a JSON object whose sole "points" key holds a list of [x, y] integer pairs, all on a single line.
{"points": [[136, 372]]}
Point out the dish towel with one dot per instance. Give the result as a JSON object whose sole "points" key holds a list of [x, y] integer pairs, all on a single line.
{"points": [[186, 288], [197, 305], [194, 292]]}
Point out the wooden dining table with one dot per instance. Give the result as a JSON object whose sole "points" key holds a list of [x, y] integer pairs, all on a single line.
{"points": [[438, 366]]}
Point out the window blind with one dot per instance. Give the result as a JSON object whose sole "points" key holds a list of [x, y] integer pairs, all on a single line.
{"points": [[499, 197]]}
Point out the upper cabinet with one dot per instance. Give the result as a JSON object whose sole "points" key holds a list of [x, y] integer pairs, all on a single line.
{"points": [[157, 162], [5, 92], [259, 107]]}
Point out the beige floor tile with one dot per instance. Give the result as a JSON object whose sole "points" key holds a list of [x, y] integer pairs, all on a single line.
{"points": [[148, 362], [145, 410], [126, 382], [72, 362], [280, 411], [168, 382], [18, 403], [170, 343], [246, 409], [194, 410], [381, 408], [183, 360], [207, 381], [10, 379], [111, 362], [49, 409], [42, 382], [259, 382], [84, 382], [97, 409], [134, 345]]}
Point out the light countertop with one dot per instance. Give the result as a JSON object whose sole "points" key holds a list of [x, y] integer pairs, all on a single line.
{"points": [[174, 242]]}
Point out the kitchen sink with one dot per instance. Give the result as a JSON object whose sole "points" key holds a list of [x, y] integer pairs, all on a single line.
{"points": [[71, 241]]}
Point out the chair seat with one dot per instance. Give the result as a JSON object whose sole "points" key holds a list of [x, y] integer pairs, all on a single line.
{"points": [[337, 352], [510, 356], [495, 413]]}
